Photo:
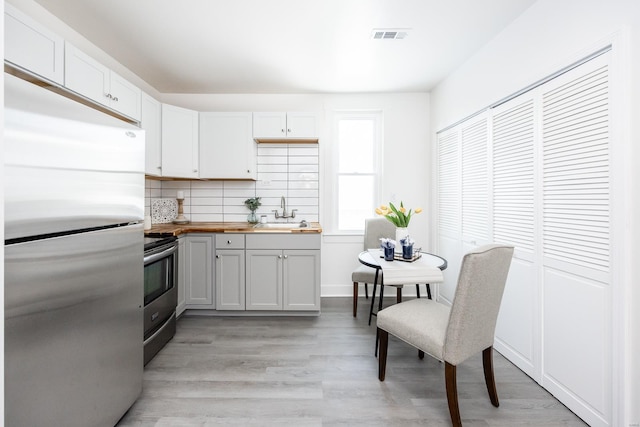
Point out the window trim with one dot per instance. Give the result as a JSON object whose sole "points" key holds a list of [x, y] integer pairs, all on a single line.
{"points": [[331, 196]]}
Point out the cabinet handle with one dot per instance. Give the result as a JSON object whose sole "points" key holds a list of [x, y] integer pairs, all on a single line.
{"points": [[195, 170], [248, 170], [279, 256], [286, 256], [115, 98], [217, 256], [228, 242], [107, 95], [282, 130], [289, 130]]}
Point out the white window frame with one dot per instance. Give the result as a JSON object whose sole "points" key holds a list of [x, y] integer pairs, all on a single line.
{"points": [[331, 207]]}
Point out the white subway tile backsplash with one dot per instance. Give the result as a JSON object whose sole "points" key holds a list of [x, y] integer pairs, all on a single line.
{"points": [[303, 150], [293, 185], [272, 168], [272, 160], [207, 192], [289, 170], [208, 217], [302, 169]]}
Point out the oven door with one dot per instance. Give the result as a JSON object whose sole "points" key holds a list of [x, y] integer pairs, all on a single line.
{"points": [[160, 293]]}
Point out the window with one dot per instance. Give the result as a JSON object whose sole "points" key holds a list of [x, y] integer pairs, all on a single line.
{"points": [[356, 169]]}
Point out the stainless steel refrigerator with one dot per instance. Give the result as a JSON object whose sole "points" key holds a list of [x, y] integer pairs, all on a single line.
{"points": [[74, 204]]}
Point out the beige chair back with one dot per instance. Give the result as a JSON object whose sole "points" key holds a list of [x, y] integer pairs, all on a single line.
{"points": [[375, 229], [476, 303]]}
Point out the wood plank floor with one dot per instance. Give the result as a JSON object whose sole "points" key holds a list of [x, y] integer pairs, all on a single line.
{"points": [[321, 371]]}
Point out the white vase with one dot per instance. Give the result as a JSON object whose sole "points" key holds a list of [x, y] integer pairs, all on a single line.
{"points": [[401, 233]]}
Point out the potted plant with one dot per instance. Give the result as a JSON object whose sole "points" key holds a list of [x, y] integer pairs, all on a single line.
{"points": [[252, 204], [400, 217]]}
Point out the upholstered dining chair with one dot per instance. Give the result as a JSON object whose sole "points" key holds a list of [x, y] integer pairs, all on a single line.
{"points": [[453, 334], [374, 230]]}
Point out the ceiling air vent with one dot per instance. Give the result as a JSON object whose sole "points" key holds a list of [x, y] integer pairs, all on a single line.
{"points": [[389, 33]]}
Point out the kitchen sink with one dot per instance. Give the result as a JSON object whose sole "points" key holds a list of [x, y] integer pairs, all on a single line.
{"points": [[282, 225]]}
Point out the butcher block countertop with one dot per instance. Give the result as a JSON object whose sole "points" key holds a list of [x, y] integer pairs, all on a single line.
{"points": [[228, 227]]}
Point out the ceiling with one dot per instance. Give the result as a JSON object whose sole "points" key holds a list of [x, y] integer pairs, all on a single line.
{"points": [[288, 46]]}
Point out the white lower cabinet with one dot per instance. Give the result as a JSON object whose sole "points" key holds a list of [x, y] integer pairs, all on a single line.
{"points": [[199, 271], [252, 272], [230, 267], [283, 272], [264, 279]]}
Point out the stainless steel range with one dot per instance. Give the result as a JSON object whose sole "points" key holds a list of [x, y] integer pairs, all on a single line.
{"points": [[160, 293]]}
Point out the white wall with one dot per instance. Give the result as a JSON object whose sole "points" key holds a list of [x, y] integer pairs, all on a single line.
{"points": [[547, 37]]}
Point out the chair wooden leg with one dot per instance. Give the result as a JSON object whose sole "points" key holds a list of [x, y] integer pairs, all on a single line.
{"points": [[382, 358], [355, 298], [487, 362], [398, 295], [452, 394]]}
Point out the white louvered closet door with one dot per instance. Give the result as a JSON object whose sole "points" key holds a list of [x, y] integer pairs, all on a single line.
{"points": [[449, 208], [514, 223], [475, 183], [576, 189]]}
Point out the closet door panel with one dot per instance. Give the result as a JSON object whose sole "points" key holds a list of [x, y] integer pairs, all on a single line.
{"points": [[577, 363], [576, 235], [513, 172], [475, 182], [449, 210]]}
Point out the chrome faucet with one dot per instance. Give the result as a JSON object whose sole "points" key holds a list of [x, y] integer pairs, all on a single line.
{"points": [[283, 205]]}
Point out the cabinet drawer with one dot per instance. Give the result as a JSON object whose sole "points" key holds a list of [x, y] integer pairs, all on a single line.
{"points": [[229, 241], [283, 241]]}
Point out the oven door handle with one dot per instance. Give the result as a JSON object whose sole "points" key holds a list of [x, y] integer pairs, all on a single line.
{"points": [[155, 257]]}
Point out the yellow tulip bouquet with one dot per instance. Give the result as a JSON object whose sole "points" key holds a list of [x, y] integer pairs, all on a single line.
{"points": [[400, 217]]}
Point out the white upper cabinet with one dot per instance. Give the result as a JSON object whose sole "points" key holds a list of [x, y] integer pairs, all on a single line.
{"points": [[179, 142], [227, 150], [31, 46], [93, 80], [151, 122], [270, 126]]}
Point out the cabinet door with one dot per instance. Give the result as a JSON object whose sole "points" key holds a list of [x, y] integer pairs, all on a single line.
{"points": [[264, 280], [227, 149], [269, 125], [151, 117], [302, 125], [230, 279], [85, 75], [181, 276], [199, 272], [179, 142], [301, 280], [32, 46], [125, 96]]}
